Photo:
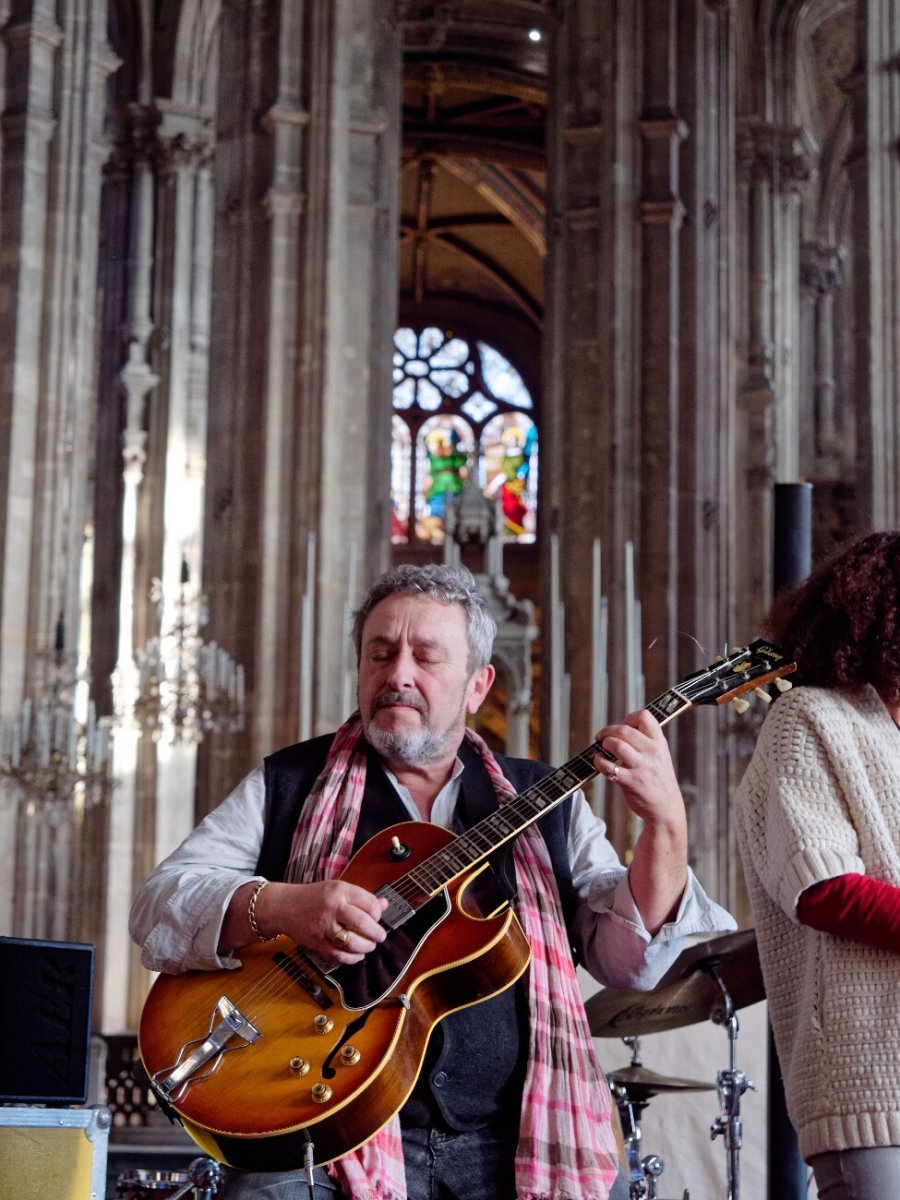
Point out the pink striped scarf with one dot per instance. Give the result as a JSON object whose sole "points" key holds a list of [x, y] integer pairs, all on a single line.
{"points": [[566, 1148]]}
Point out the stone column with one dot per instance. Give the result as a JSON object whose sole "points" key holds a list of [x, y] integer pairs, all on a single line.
{"points": [[587, 470], [820, 278], [31, 47], [756, 384], [874, 164], [53, 146], [299, 430], [662, 131], [706, 420], [361, 316]]}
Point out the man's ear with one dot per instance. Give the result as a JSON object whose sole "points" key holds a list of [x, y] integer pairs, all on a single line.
{"points": [[479, 687]]}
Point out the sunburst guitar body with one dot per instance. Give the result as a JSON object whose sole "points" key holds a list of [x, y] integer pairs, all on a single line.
{"points": [[291, 1053]]}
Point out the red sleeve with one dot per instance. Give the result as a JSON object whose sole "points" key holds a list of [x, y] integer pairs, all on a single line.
{"points": [[856, 907]]}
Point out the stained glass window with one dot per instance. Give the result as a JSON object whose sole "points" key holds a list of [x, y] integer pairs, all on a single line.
{"points": [[461, 412]]}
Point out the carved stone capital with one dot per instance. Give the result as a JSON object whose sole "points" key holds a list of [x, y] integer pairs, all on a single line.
{"points": [[765, 151], [180, 150], [821, 267]]}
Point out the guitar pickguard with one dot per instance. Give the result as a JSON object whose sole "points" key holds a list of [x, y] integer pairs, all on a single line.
{"points": [[366, 983]]}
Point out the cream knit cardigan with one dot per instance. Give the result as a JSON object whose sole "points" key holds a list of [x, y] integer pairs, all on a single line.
{"points": [[821, 797]]}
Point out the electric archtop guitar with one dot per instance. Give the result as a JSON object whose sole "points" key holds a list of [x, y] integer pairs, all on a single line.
{"points": [[292, 1061]]}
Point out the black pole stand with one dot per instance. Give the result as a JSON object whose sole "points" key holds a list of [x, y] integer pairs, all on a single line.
{"points": [[787, 1173]]}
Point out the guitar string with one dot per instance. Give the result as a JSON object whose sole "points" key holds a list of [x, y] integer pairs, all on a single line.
{"points": [[430, 876]]}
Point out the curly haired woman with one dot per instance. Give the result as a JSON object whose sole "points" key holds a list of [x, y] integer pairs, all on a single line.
{"points": [[819, 831]]}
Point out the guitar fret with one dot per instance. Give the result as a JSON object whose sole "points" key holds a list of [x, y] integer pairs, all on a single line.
{"points": [[513, 818], [480, 835]]}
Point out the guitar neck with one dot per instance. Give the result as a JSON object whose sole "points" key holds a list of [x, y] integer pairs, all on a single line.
{"points": [[509, 820]]}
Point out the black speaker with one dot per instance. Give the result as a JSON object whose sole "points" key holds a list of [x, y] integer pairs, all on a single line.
{"points": [[45, 1021]]}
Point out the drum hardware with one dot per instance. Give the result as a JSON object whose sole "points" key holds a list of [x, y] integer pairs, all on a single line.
{"points": [[730, 1086], [708, 981], [201, 1181], [632, 1088]]}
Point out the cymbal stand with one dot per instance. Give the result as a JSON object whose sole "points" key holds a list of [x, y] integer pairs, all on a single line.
{"points": [[642, 1173], [730, 1085]]}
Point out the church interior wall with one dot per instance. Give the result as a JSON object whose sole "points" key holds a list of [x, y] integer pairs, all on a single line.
{"points": [[678, 220]]}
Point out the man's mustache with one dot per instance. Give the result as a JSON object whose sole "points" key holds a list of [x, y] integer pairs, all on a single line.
{"points": [[410, 699]]}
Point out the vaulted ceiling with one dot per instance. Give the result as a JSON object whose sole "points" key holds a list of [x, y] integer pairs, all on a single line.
{"points": [[473, 199]]}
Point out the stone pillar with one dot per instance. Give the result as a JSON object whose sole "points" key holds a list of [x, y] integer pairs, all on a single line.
{"points": [[588, 453], [706, 420], [820, 278], [53, 147], [756, 383], [662, 131], [299, 428], [361, 316], [874, 164], [28, 124]]}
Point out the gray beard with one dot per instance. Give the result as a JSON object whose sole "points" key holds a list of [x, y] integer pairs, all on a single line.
{"points": [[410, 749]]}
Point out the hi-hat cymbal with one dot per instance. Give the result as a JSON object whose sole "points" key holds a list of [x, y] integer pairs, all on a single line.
{"points": [[640, 1084], [687, 993]]}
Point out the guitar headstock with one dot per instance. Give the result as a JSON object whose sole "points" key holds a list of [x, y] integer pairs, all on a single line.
{"points": [[749, 668]]}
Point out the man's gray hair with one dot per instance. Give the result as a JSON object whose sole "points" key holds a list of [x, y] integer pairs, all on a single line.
{"points": [[436, 581]]}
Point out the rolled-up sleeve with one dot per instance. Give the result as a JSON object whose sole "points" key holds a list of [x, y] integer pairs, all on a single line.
{"points": [[613, 943], [177, 913]]}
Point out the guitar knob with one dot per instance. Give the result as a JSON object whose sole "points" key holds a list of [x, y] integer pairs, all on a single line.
{"points": [[741, 704], [321, 1093], [398, 851], [783, 685], [763, 694], [299, 1066], [323, 1024], [350, 1056]]}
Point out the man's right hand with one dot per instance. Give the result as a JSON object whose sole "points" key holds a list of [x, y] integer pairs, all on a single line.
{"points": [[333, 918]]}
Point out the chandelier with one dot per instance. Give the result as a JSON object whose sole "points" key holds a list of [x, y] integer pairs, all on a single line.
{"points": [[56, 753], [186, 687]]}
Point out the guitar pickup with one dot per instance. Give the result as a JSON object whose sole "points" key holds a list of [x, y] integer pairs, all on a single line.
{"points": [[398, 911], [233, 1023], [292, 965]]}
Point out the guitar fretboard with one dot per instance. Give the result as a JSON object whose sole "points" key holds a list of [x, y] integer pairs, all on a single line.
{"points": [[509, 820]]}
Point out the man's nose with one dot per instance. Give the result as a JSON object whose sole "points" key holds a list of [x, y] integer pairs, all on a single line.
{"points": [[402, 675]]}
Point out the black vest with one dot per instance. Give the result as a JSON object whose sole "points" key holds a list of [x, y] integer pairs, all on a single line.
{"points": [[474, 1068]]}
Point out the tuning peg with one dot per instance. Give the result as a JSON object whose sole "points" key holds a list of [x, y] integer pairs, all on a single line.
{"points": [[716, 660], [741, 704], [783, 685], [763, 694]]}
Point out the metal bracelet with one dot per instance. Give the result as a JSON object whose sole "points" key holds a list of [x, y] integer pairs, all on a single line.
{"points": [[251, 913]]}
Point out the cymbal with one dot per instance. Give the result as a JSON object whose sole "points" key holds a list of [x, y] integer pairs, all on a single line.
{"points": [[687, 993], [639, 1083]]}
